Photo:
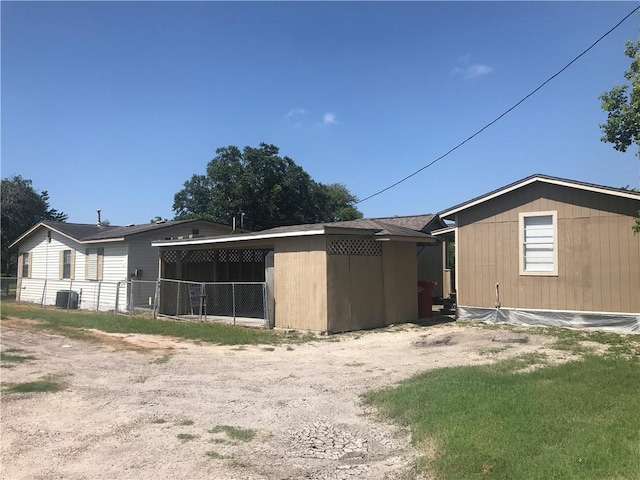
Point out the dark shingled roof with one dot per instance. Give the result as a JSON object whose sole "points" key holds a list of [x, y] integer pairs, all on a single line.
{"points": [[90, 232], [371, 224], [415, 222]]}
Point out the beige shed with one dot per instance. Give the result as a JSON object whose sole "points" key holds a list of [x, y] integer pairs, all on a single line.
{"points": [[330, 277]]}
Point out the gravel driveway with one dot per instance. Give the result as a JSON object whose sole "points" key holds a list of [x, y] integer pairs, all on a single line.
{"points": [[149, 407]]}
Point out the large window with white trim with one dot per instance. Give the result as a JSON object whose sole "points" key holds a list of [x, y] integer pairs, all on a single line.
{"points": [[538, 243]]}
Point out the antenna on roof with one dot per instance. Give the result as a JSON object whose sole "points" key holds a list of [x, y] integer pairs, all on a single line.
{"points": [[99, 220]]}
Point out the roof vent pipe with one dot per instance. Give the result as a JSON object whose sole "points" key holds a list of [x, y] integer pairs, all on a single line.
{"points": [[99, 220]]}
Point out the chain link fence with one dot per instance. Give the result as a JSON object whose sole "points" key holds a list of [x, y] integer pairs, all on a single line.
{"points": [[8, 286], [239, 303]]}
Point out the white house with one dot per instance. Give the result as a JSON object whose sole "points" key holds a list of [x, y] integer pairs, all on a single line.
{"points": [[89, 265]]}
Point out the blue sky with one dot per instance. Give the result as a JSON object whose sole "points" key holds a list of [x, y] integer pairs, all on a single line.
{"points": [[114, 105]]}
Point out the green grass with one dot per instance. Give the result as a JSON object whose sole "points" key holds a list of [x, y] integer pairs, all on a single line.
{"points": [[235, 433], [11, 356], [186, 437], [70, 323], [44, 385], [575, 421], [215, 455]]}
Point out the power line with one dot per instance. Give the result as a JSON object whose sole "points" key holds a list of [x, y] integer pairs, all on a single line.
{"points": [[500, 116]]}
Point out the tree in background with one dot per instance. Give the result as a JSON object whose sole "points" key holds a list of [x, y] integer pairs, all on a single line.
{"points": [[22, 208], [269, 189], [622, 103]]}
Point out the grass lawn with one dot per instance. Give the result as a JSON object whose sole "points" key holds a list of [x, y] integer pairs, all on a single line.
{"points": [[71, 323], [579, 420]]}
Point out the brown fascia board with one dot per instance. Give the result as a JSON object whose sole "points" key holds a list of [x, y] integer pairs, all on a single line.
{"points": [[619, 192]]}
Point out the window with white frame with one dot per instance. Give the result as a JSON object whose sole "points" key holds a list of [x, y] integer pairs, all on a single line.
{"points": [[538, 243], [66, 264], [25, 264]]}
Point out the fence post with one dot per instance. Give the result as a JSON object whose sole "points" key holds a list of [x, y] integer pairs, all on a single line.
{"points": [[178, 298], [98, 295], [233, 301], [115, 308], [130, 285], [69, 296], [156, 299], [265, 306], [201, 301], [44, 293]]}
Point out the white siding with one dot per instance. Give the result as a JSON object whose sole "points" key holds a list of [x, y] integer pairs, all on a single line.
{"points": [[45, 282]]}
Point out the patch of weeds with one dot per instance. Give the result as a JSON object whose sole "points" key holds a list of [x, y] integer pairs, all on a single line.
{"points": [[158, 421], [493, 350], [240, 348], [267, 349], [12, 356], [354, 364], [161, 360], [234, 462], [221, 441], [44, 385], [215, 455], [519, 363], [185, 423], [235, 433], [186, 437], [289, 348]]}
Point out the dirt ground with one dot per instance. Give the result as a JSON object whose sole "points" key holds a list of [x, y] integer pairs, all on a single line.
{"points": [[147, 407]]}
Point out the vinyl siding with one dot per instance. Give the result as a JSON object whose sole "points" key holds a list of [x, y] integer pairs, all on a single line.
{"points": [[598, 255]]}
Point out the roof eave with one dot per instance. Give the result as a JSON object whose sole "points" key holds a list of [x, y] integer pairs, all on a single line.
{"points": [[450, 213]]}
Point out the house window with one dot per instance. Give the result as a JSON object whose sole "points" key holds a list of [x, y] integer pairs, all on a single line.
{"points": [[538, 243], [66, 264], [25, 265], [94, 263]]}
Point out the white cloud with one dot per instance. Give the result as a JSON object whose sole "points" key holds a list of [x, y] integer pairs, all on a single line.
{"points": [[295, 111], [478, 70], [473, 71], [329, 118]]}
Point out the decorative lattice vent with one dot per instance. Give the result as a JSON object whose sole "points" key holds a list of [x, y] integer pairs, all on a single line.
{"points": [[169, 256], [354, 245], [201, 256], [206, 256]]}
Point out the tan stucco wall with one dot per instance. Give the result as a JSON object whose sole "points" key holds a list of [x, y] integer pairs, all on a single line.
{"points": [[598, 255], [300, 283]]}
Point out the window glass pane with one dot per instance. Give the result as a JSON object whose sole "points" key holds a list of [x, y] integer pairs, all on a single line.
{"points": [[66, 264], [538, 244]]}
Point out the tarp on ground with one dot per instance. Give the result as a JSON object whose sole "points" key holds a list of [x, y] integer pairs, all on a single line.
{"points": [[614, 322]]}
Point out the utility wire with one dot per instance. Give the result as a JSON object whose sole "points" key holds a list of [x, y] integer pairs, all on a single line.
{"points": [[499, 117]]}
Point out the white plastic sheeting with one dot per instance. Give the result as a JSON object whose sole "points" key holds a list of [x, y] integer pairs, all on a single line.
{"points": [[614, 322]]}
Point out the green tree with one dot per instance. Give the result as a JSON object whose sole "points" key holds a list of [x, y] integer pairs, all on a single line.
{"points": [[622, 104], [22, 208], [269, 189]]}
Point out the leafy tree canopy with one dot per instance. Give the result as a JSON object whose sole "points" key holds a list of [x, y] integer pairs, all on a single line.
{"points": [[269, 189], [622, 104], [22, 208]]}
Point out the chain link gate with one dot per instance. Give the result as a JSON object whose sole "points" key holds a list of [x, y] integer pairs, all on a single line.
{"points": [[238, 303]]}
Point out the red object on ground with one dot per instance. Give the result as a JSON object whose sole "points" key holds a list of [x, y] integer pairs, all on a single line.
{"points": [[425, 298]]}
